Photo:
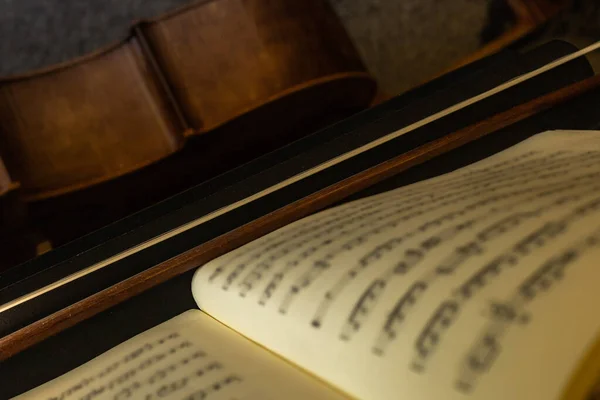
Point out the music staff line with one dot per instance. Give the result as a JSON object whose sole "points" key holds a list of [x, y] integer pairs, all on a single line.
{"points": [[447, 312], [324, 262], [313, 232], [310, 230], [442, 185], [485, 351], [458, 257]]}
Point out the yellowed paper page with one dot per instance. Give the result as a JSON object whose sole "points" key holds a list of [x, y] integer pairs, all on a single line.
{"points": [[191, 356], [479, 284]]}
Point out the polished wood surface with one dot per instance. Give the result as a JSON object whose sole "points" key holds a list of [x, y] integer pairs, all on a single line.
{"points": [[80, 124], [185, 97], [28, 336], [227, 57]]}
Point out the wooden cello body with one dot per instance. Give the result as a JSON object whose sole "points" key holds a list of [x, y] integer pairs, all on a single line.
{"points": [[185, 97]]}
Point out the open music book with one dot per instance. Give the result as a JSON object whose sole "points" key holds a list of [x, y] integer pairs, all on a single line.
{"points": [[483, 283]]}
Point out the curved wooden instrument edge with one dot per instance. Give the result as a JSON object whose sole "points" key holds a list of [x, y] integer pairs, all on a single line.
{"points": [[370, 86]]}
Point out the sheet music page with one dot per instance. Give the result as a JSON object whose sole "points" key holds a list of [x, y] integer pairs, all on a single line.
{"points": [[190, 357], [478, 284]]}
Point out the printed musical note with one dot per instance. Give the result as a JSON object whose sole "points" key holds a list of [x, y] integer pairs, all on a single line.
{"points": [[324, 263], [412, 256], [485, 351], [408, 261], [458, 257], [524, 247], [305, 231], [277, 278], [479, 360], [164, 372], [503, 311], [361, 239], [430, 336], [490, 194], [488, 350], [161, 358], [485, 275], [484, 354], [504, 225], [587, 209], [396, 317], [304, 236], [214, 387], [370, 258], [360, 308], [553, 270], [261, 269], [540, 237]]}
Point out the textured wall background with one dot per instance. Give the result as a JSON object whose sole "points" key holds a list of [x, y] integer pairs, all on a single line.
{"points": [[403, 42], [406, 42]]}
